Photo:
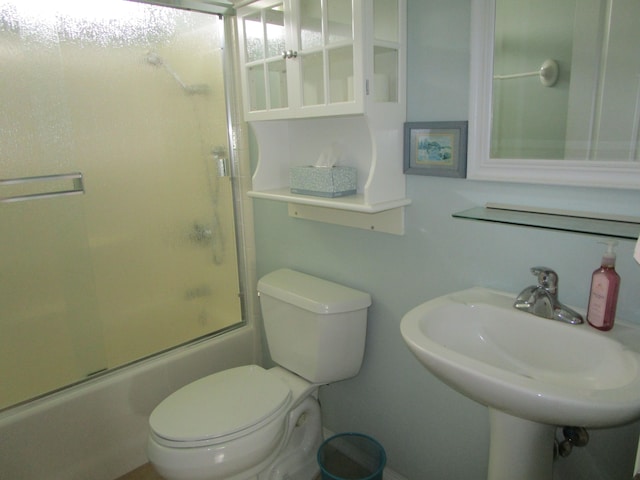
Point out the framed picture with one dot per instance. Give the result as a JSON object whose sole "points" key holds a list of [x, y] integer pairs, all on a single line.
{"points": [[436, 148]]}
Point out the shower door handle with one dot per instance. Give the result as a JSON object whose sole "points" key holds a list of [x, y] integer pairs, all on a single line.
{"points": [[55, 182]]}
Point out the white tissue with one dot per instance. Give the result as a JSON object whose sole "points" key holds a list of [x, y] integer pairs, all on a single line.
{"points": [[636, 252], [329, 156]]}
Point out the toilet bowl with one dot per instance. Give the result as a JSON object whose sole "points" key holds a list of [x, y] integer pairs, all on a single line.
{"points": [[249, 423], [230, 425]]}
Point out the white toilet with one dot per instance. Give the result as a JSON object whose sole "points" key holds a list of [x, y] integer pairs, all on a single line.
{"points": [[248, 423]]}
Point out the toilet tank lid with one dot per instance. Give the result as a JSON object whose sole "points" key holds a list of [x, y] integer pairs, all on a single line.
{"points": [[311, 293]]}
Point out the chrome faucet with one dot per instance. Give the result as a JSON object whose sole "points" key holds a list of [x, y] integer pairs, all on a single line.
{"points": [[542, 299]]}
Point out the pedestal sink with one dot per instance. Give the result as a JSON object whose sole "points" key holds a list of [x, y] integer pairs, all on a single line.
{"points": [[533, 373]]}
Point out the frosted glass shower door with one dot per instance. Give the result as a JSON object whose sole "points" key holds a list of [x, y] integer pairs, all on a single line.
{"points": [[50, 334], [142, 257]]}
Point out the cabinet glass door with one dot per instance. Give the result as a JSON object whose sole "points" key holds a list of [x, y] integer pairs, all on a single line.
{"points": [[311, 24], [386, 50], [312, 65], [340, 21], [326, 51], [341, 74], [266, 69]]}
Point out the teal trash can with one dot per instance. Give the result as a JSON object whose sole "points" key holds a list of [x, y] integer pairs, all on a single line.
{"points": [[351, 456]]}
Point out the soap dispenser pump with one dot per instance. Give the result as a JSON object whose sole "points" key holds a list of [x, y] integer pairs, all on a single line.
{"points": [[605, 283]]}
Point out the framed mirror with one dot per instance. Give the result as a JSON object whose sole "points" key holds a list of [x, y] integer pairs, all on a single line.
{"points": [[555, 92]]}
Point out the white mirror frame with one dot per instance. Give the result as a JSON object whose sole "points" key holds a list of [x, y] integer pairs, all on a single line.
{"points": [[481, 167]]}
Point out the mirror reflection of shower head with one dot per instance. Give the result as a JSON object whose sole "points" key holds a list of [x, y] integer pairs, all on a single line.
{"points": [[156, 60]]}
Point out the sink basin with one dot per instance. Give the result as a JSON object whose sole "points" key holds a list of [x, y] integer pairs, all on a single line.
{"points": [[533, 373], [533, 368]]}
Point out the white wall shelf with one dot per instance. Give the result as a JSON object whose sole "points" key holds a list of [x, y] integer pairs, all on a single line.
{"points": [[374, 149], [354, 203]]}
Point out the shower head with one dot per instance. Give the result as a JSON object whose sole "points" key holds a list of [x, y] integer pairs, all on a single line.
{"points": [[156, 60]]}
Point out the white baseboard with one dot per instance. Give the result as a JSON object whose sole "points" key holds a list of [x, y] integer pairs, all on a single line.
{"points": [[388, 473]]}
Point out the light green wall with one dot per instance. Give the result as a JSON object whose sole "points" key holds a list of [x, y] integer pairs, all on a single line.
{"points": [[428, 430]]}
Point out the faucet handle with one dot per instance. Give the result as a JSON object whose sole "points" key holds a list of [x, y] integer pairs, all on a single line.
{"points": [[547, 279]]}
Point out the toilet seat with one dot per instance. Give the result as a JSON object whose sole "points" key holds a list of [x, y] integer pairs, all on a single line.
{"points": [[220, 407]]}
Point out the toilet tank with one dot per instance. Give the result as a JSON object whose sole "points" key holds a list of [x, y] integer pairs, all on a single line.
{"points": [[314, 327]]}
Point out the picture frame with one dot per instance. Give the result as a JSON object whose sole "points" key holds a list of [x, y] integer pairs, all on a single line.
{"points": [[436, 148]]}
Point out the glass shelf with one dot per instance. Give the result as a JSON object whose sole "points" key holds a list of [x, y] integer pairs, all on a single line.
{"points": [[567, 221]]}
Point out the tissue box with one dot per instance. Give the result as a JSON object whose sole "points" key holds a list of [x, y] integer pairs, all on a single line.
{"points": [[323, 181]]}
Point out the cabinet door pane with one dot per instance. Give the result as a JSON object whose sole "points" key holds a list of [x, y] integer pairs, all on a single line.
{"points": [[257, 93], [385, 78], [310, 24], [340, 20], [254, 37], [385, 13], [278, 84], [312, 79], [274, 23], [341, 74]]}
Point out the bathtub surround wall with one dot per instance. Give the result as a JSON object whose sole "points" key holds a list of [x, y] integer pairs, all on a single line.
{"points": [[427, 429], [98, 430]]}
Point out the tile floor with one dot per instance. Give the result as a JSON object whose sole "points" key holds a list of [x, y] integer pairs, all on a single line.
{"points": [[348, 469], [145, 472]]}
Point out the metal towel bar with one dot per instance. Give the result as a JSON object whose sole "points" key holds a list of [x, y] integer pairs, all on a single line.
{"points": [[548, 74], [75, 177]]}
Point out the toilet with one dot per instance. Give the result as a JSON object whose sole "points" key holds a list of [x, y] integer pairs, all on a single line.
{"points": [[251, 423]]}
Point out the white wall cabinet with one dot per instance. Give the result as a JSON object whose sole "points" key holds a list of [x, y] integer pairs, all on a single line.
{"points": [[317, 73], [310, 58]]}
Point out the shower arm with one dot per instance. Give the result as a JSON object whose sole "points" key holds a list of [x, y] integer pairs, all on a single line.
{"points": [[157, 61], [174, 75]]}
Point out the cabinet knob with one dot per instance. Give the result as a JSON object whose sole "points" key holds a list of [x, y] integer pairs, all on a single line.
{"points": [[289, 54]]}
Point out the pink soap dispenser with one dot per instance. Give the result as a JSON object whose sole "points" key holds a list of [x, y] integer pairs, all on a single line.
{"points": [[605, 283]]}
